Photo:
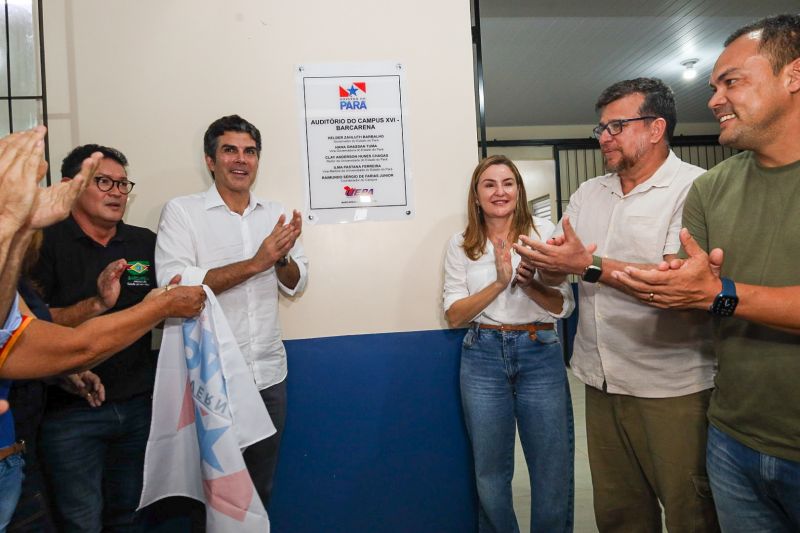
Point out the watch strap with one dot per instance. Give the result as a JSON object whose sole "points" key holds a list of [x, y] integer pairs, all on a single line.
{"points": [[724, 304], [728, 287], [593, 272]]}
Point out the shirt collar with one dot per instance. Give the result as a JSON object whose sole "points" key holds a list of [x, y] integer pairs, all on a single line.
{"points": [[661, 178], [213, 199], [75, 232]]}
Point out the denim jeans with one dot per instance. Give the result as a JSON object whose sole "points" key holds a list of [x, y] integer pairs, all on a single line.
{"points": [[33, 512], [754, 492], [10, 487], [509, 380], [94, 461]]}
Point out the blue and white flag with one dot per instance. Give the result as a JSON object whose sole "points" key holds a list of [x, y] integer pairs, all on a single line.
{"points": [[206, 410]]}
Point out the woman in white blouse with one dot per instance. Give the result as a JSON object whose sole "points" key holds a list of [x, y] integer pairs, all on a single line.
{"points": [[512, 368]]}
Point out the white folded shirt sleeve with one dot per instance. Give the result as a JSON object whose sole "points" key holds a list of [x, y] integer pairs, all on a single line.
{"points": [[565, 288], [298, 255], [176, 247], [455, 273]]}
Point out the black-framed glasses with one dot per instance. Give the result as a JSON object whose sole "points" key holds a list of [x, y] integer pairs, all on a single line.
{"points": [[105, 184], [614, 127]]}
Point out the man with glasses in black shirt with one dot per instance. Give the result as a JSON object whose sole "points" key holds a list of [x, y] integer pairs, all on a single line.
{"points": [[90, 264]]}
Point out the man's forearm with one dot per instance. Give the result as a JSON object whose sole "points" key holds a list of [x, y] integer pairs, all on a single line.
{"points": [[221, 279], [47, 349], [78, 313], [8, 283], [775, 307], [14, 248]]}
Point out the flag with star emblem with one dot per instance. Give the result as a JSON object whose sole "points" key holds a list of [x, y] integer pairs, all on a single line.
{"points": [[206, 410]]}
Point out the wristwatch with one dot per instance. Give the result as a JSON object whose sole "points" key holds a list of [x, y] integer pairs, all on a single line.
{"points": [[592, 273], [726, 301], [283, 261]]}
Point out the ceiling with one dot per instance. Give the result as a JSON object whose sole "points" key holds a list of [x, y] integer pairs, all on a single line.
{"points": [[545, 62]]}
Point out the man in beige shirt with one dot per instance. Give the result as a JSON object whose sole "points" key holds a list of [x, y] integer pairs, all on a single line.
{"points": [[648, 373]]}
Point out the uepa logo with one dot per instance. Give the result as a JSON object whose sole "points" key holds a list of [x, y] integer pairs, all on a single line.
{"points": [[354, 97], [350, 191]]}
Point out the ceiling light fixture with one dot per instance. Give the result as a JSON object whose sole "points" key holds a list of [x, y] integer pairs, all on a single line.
{"points": [[689, 72]]}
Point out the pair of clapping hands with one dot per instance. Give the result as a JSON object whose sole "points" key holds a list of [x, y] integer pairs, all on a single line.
{"points": [[555, 258], [679, 283], [525, 272]]}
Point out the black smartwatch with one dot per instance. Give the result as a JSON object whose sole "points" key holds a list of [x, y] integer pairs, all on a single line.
{"points": [[726, 301], [593, 272]]}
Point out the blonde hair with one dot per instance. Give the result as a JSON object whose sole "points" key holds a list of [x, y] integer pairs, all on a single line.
{"points": [[521, 224]]}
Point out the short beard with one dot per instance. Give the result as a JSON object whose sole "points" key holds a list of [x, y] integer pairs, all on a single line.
{"points": [[627, 162]]}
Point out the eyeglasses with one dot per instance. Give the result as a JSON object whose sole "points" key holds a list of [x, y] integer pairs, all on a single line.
{"points": [[614, 127], [105, 184]]}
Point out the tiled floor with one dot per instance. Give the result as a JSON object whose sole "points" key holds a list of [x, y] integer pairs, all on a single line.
{"points": [[584, 516]]}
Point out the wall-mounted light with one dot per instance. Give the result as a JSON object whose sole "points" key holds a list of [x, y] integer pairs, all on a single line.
{"points": [[689, 72]]}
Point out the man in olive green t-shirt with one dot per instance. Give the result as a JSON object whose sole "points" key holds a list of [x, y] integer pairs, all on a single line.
{"points": [[745, 207]]}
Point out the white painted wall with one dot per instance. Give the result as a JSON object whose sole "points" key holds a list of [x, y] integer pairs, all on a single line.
{"points": [[148, 77]]}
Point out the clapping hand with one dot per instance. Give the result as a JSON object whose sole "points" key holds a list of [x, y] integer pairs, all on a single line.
{"points": [[502, 262]]}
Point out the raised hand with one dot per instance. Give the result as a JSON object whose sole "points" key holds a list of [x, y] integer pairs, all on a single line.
{"points": [[297, 222], [565, 254], [278, 243], [502, 262], [53, 203], [21, 161], [108, 285]]}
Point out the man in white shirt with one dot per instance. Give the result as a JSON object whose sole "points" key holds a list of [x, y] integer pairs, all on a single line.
{"points": [[245, 251], [648, 372]]}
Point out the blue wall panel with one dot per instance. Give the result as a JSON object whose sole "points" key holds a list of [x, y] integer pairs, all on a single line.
{"points": [[374, 439]]}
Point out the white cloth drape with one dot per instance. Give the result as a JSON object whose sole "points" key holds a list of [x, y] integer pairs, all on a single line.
{"points": [[206, 410]]}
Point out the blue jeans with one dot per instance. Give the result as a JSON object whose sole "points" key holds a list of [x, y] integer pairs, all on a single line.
{"points": [[10, 487], [33, 511], [509, 380], [94, 461], [754, 492]]}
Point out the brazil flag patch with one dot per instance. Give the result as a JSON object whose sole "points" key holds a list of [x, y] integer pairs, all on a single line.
{"points": [[138, 273]]}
